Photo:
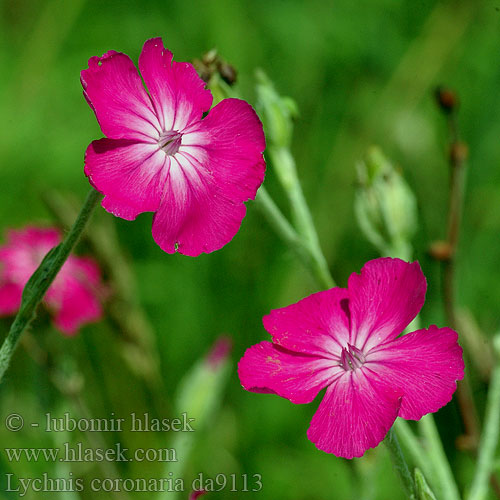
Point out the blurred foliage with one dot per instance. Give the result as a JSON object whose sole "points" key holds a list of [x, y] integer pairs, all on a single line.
{"points": [[361, 73]]}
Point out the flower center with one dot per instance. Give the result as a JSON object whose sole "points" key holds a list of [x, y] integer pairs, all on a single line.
{"points": [[351, 358], [170, 142]]}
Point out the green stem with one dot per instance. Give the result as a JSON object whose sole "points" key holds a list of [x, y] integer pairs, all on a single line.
{"points": [[41, 280], [400, 465], [413, 447], [446, 487], [304, 252], [489, 440], [286, 170]]}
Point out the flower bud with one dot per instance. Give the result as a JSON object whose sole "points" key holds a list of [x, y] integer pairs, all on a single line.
{"points": [[385, 206], [440, 250], [276, 112], [227, 72], [201, 389], [446, 99]]}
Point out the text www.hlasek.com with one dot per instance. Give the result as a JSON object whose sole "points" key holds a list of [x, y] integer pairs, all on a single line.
{"points": [[78, 453]]}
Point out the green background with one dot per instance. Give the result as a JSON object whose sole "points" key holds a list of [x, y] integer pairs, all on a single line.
{"points": [[361, 73]]}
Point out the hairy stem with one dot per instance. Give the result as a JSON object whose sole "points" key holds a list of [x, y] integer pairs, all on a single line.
{"points": [[42, 278], [400, 465], [313, 261], [414, 448], [123, 310], [284, 164], [489, 440], [446, 487]]}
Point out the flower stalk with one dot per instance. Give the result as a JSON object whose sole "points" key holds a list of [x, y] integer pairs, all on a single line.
{"points": [[384, 224], [413, 447], [400, 465], [303, 251], [124, 312], [457, 160], [489, 439], [42, 278], [277, 113], [284, 164], [446, 488]]}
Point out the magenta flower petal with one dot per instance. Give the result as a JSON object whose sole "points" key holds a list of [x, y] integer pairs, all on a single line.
{"points": [[297, 377], [384, 299], [316, 325], [218, 167], [356, 413], [195, 173], [132, 174], [23, 252], [194, 217], [179, 95], [425, 364], [345, 340], [41, 237], [234, 143], [114, 90], [74, 294], [10, 298]]}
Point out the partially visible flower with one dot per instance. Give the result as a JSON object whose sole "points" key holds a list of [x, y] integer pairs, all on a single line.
{"points": [[347, 341], [72, 297], [220, 352], [196, 494], [160, 155]]}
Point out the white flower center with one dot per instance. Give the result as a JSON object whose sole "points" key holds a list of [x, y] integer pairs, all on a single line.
{"points": [[170, 142], [351, 358]]}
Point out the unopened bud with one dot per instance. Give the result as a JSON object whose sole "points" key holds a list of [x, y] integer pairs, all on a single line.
{"points": [[385, 206], [440, 250], [204, 71], [207, 65], [227, 73], [200, 391], [446, 99], [220, 352], [210, 57], [276, 112]]}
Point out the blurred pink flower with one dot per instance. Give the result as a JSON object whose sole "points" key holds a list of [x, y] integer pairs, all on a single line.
{"points": [[347, 341], [161, 156], [220, 352], [196, 494], [72, 297]]}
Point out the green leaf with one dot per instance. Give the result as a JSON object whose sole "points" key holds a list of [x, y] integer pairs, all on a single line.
{"points": [[39, 276]]}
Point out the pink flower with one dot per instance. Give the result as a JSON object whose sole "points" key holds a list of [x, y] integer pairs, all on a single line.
{"points": [[196, 494], [220, 352], [72, 296], [347, 341], [161, 156]]}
